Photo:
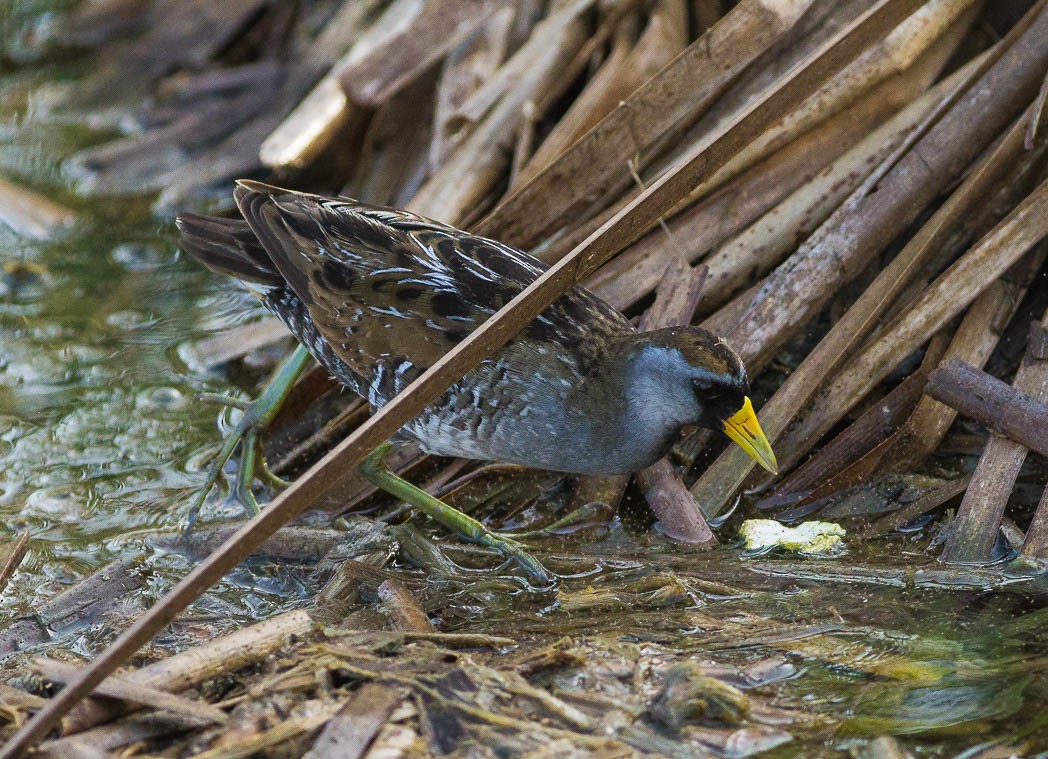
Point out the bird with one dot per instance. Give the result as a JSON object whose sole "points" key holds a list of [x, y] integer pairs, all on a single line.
{"points": [[377, 295]]}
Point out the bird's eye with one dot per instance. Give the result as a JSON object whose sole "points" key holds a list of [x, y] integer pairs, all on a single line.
{"points": [[706, 389]]}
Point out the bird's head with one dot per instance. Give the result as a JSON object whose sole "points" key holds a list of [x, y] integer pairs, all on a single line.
{"points": [[716, 379]]}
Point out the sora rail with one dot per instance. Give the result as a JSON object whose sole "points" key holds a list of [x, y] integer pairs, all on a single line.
{"points": [[379, 295]]}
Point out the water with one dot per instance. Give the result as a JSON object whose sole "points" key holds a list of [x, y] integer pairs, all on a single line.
{"points": [[101, 441]]}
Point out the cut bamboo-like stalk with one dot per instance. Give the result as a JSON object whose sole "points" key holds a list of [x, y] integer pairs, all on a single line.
{"points": [[932, 34], [630, 276], [992, 189], [601, 94], [517, 68], [394, 158], [817, 24], [849, 383]]}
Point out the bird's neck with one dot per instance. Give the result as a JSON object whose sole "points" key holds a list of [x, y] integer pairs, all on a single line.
{"points": [[646, 385], [657, 387]]}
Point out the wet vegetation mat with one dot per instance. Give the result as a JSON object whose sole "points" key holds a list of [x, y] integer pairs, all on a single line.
{"points": [[853, 194]]}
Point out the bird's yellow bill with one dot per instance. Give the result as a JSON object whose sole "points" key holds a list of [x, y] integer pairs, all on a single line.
{"points": [[746, 431]]}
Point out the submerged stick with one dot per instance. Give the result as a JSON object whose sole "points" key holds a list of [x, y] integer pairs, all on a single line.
{"points": [[30, 213], [493, 334], [924, 504], [11, 555], [404, 610]]}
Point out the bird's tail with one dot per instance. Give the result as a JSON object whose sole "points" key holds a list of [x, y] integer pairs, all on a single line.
{"points": [[228, 246]]}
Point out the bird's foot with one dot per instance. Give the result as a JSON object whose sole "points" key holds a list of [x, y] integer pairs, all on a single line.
{"points": [[246, 434], [374, 468]]}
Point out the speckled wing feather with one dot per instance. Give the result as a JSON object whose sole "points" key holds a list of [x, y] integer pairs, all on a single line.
{"points": [[391, 292], [229, 247]]}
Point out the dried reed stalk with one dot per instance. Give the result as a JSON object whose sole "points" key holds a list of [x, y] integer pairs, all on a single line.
{"points": [[418, 41], [191, 667], [327, 112], [625, 69], [481, 158], [349, 734], [122, 688], [952, 292], [677, 93], [465, 70], [994, 403], [630, 276], [931, 34], [1036, 543], [859, 228], [896, 53], [974, 531], [854, 455], [973, 343]]}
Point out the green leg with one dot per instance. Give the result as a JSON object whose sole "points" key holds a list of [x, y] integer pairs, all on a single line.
{"points": [[257, 416], [374, 468]]}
